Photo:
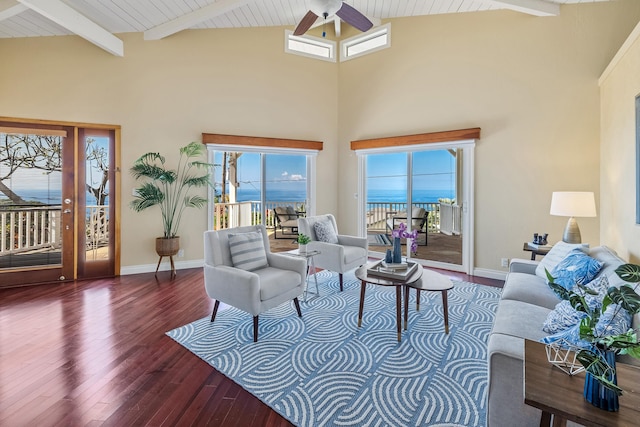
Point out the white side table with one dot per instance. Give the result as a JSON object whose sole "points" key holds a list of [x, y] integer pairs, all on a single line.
{"points": [[309, 256]]}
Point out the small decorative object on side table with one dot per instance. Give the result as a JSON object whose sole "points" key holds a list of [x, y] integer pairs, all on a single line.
{"points": [[303, 240]]}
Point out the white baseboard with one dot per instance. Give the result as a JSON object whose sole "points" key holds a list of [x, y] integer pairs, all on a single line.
{"points": [[165, 266], [490, 274]]}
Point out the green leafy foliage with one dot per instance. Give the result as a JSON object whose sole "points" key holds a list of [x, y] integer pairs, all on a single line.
{"points": [[169, 188], [627, 343], [303, 239]]}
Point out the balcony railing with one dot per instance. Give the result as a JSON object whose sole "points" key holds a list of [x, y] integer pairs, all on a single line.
{"points": [[29, 228], [32, 228], [227, 215]]}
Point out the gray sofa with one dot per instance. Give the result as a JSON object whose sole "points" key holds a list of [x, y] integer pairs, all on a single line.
{"points": [[525, 303]]}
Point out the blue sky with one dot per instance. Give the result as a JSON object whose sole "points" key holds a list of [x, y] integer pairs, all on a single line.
{"points": [[282, 171], [432, 170]]}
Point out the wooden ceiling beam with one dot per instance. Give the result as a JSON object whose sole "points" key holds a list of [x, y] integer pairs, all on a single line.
{"points": [[10, 8], [190, 19], [65, 16], [531, 7]]}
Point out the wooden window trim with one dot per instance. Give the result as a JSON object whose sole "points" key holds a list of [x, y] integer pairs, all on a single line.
{"points": [[255, 141], [421, 138]]}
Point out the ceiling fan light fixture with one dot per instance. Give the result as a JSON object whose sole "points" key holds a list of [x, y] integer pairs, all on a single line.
{"points": [[328, 7]]}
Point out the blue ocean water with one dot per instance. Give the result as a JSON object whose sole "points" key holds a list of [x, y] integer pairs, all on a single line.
{"points": [[419, 196], [46, 196]]}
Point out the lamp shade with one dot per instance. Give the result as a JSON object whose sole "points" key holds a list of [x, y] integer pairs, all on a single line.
{"points": [[573, 203]]}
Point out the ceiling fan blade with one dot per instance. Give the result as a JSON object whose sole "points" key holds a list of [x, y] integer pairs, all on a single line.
{"points": [[354, 18], [306, 23]]}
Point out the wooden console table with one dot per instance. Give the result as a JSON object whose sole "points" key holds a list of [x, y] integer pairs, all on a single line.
{"points": [[558, 394]]}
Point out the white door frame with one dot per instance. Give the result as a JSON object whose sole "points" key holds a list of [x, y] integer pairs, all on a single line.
{"points": [[468, 196]]}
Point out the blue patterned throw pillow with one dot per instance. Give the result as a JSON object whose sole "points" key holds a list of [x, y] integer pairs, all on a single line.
{"points": [[562, 317], [576, 267], [570, 335], [615, 320]]}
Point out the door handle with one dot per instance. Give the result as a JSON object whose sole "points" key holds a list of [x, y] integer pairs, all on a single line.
{"points": [[67, 211]]}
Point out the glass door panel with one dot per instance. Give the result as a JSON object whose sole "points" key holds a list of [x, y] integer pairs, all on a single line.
{"points": [[96, 178], [237, 184], [386, 203], [434, 188], [36, 209], [286, 181]]}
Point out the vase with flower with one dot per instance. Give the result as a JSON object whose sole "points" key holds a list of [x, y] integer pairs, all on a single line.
{"points": [[402, 233]]}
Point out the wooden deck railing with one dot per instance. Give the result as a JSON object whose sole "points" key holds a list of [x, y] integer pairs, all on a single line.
{"points": [[32, 228], [29, 228]]}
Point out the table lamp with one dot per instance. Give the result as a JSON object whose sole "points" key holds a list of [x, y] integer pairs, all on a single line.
{"points": [[573, 204]]}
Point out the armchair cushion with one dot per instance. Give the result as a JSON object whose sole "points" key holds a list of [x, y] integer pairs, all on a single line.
{"points": [[325, 232], [247, 251]]}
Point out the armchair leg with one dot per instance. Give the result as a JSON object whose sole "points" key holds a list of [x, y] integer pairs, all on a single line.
{"points": [[255, 328], [297, 303], [215, 310], [340, 282]]}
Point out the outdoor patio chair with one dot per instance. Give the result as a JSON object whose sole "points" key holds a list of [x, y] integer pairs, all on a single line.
{"points": [[419, 218], [241, 271], [286, 218], [339, 253]]}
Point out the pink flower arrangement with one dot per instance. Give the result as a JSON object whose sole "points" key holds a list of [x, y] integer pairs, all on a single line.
{"points": [[402, 233]]}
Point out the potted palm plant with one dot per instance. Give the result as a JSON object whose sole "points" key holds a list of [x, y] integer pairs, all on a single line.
{"points": [[169, 189]]}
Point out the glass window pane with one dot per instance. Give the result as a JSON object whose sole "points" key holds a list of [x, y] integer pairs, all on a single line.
{"points": [[30, 200], [97, 198]]}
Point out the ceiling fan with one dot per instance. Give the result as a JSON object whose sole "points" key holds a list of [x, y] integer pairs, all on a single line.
{"points": [[327, 8]]}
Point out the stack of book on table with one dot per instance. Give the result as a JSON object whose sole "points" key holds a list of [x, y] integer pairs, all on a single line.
{"points": [[392, 271]]}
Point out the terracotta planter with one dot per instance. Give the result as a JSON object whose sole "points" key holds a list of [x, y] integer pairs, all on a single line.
{"points": [[167, 246]]}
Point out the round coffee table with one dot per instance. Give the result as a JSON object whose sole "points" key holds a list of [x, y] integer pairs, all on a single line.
{"points": [[401, 285], [433, 282]]}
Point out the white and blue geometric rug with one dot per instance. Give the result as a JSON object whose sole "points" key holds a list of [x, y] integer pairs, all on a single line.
{"points": [[322, 370]]}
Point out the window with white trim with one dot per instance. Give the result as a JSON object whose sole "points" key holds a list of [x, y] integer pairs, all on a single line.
{"points": [[309, 46], [363, 44]]}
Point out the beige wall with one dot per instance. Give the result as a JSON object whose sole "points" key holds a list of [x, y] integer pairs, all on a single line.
{"points": [[165, 93], [529, 83], [618, 155]]}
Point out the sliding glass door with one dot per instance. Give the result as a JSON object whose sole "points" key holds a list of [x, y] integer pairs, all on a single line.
{"points": [[422, 189]]}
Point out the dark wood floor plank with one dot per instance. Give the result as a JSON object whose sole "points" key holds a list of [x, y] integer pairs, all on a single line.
{"points": [[96, 353]]}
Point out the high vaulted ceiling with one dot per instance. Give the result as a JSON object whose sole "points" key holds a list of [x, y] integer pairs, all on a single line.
{"points": [[98, 20]]}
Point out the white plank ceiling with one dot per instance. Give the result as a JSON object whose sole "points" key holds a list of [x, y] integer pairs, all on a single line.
{"points": [[98, 20]]}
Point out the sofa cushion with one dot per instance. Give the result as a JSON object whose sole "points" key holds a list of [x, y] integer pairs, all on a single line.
{"points": [[557, 253], [530, 289], [520, 319], [247, 250], [576, 267]]}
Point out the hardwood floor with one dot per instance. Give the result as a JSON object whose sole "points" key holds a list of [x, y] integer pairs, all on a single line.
{"points": [[96, 353]]}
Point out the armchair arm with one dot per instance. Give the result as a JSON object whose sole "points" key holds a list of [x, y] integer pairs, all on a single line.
{"points": [[352, 241], [287, 262], [233, 286]]}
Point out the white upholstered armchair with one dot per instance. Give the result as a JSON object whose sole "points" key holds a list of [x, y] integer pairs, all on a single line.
{"points": [[339, 253], [240, 270]]}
